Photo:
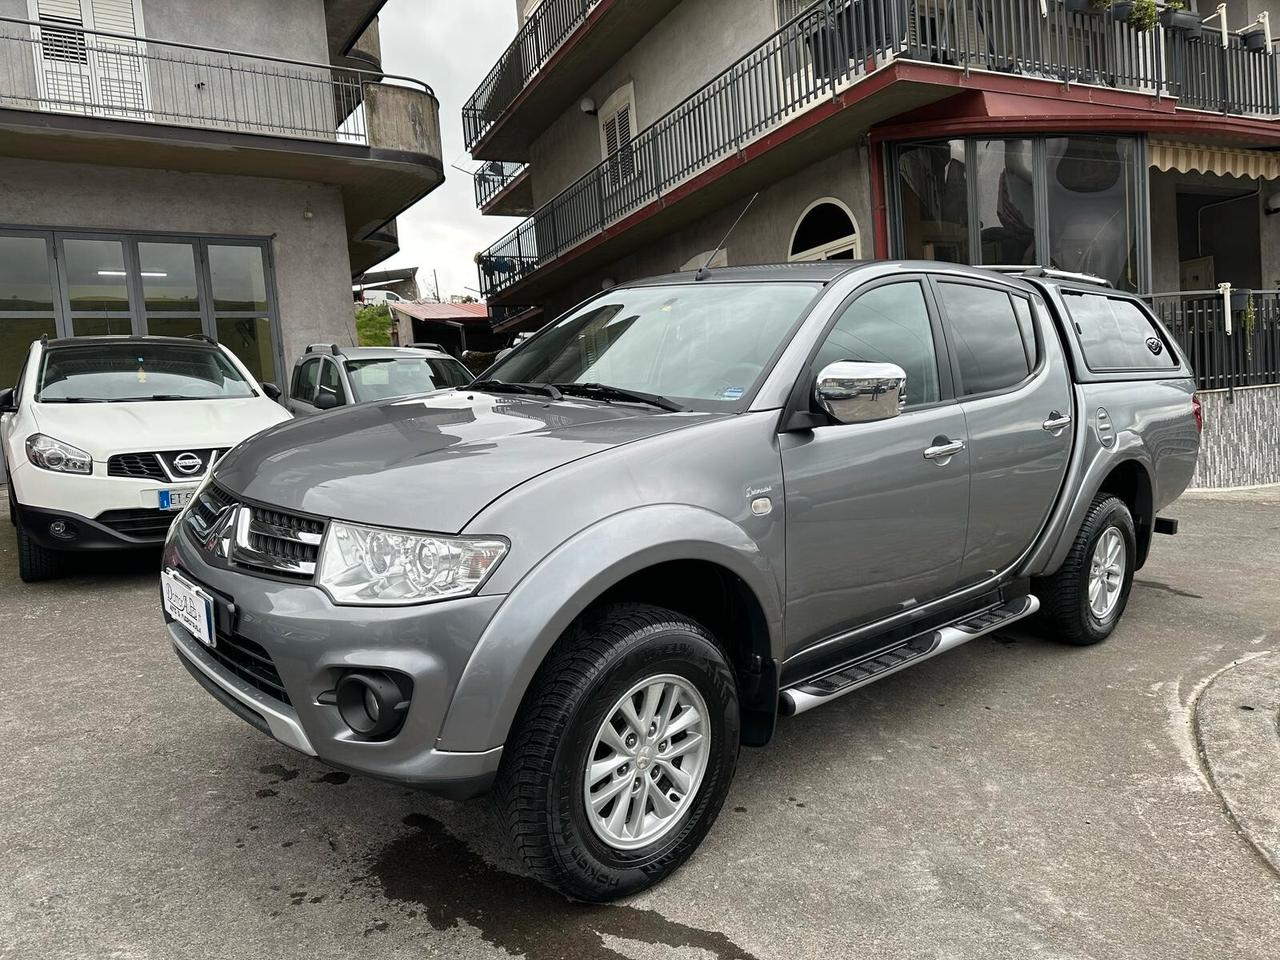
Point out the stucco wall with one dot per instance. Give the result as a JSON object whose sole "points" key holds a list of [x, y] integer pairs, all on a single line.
{"points": [[1240, 446], [689, 47], [293, 29], [312, 268], [763, 236]]}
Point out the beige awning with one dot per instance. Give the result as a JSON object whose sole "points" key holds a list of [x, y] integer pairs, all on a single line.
{"points": [[1222, 161]]}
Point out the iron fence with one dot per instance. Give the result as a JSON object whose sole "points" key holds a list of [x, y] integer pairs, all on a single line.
{"points": [[547, 27], [1230, 342], [1229, 78], [493, 177], [60, 67]]}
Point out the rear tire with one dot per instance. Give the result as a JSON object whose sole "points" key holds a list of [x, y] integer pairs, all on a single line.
{"points": [[35, 563], [574, 759], [1085, 599]]}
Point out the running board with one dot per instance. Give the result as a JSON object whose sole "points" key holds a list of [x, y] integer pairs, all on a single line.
{"points": [[852, 676]]}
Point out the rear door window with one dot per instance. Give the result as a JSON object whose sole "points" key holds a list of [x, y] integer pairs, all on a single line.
{"points": [[987, 338], [1115, 333]]}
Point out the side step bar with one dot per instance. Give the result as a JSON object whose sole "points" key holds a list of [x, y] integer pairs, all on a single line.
{"points": [[858, 673]]}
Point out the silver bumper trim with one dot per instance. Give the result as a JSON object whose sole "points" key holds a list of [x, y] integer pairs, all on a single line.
{"points": [[281, 721]]}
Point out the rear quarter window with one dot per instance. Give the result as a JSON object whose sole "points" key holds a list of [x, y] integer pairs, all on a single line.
{"points": [[1117, 334]]}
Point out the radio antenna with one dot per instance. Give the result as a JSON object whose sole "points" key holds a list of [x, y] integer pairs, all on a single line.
{"points": [[705, 270]]}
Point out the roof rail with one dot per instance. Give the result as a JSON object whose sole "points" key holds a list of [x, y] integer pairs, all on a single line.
{"points": [[428, 346], [1022, 270], [332, 348], [202, 336]]}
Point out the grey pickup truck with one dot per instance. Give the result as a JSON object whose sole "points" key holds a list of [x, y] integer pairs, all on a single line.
{"points": [[686, 508]]}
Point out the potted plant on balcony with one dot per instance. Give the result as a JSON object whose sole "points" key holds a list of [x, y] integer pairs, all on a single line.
{"points": [[1140, 14], [1175, 16], [1255, 41], [1086, 6]]}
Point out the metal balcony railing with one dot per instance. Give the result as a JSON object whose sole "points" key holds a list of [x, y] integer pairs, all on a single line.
{"points": [[1231, 341], [553, 22], [493, 177], [59, 67], [836, 43]]}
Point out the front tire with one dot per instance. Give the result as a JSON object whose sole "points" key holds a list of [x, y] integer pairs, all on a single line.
{"points": [[622, 754], [35, 563], [1085, 599]]}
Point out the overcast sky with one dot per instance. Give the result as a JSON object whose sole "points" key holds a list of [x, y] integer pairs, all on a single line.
{"points": [[451, 45]]}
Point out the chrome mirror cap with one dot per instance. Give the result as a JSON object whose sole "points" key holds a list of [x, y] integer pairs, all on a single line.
{"points": [[855, 392]]}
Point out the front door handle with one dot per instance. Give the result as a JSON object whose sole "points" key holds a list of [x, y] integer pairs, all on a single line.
{"points": [[1056, 422], [943, 451]]}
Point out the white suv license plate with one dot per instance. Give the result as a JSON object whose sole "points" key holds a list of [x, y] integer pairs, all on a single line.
{"points": [[175, 499], [189, 605]]}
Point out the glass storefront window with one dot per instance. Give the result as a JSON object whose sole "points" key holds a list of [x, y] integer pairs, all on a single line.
{"points": [[1005, 174], [249, 338], [933, 188], [26, 301], [1093, 214], [168, 277], [1072, 203], [96, 277], [239, 281]]}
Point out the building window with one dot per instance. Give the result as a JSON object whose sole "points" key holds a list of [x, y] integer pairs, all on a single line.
{"points": [[85, 284], [104, 74], [825, 231], [1072, 203], [617, 130]]}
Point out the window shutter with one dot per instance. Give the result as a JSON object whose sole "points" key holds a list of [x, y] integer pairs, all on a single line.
{"points": [[626, 158], [66, 10], [114, 16]]}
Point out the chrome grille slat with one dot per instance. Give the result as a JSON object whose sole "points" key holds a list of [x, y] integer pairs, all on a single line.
{"points": [[257, 539]]}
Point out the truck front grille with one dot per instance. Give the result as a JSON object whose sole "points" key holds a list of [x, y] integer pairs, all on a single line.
{"points": [[258, 539]]}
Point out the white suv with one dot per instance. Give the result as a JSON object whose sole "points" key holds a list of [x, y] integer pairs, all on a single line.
{"points": [[106, 438]]}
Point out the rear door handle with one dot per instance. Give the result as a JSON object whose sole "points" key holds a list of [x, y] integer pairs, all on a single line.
{"points": [[1056, 422], [944, 451]]}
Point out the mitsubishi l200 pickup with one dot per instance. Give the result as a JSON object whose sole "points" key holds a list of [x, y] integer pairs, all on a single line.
{"points": [[685, 509]]}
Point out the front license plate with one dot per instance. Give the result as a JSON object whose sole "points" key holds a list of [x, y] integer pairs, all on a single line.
{"points": [[175, 499], [189, 605]]}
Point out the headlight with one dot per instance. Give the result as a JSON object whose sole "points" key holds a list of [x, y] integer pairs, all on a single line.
{"points": [[50, 454], [371, 565]]}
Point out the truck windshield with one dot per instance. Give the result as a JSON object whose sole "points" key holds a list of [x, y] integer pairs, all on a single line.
{"points": [[704, 346], [397, 377], [134, 371]]}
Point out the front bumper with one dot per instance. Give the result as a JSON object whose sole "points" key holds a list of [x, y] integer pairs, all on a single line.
{"points": [[136, 528], [311, 641]]}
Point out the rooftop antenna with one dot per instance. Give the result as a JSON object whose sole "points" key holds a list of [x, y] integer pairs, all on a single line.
{"points": [[705, 270]]}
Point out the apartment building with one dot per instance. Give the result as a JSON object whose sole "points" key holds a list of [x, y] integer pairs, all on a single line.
{"points": [[186, 167], [631, 134]]}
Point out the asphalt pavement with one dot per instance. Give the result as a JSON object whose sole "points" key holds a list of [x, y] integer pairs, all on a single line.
{"points": [[1013, 798]]}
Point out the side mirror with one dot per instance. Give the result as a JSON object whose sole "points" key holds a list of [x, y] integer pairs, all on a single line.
{"points": [[8, 402], [272, 391], [854, 392], [326, 399]]}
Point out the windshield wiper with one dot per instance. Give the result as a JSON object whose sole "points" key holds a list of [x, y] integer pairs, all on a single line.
{"points": [[603, 391], [78, 400], [502, 386]]}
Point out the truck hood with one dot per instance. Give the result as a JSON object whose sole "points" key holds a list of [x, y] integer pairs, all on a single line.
{"points": [[429, 463], [103, 429]]}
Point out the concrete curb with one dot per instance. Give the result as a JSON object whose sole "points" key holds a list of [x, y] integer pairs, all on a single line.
{"points": [[1237, 729]]}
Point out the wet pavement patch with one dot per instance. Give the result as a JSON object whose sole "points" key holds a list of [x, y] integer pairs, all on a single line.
{"points": [[279, 771], [447, 884], [334, 776]]}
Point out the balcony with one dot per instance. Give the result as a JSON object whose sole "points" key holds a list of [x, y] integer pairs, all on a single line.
{"points": [[82, 96], [840, 67], [556, 54], [503, 189]]}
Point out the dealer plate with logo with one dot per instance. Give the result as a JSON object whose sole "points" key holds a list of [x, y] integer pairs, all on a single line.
{"points": [[189, 605]]}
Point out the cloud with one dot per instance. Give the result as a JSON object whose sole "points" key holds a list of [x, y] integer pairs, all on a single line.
{"points": [[451, 45]]}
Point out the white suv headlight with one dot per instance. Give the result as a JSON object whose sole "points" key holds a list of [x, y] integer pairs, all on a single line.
{"points": [[50, 454], [375, 566]]}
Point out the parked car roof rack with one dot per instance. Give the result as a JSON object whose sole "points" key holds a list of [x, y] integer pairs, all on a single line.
{"points": [[332, 348], [1022, 270], [201, 336], [424, 345]]}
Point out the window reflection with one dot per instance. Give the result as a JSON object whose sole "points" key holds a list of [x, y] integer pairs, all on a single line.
{"points": [[1092, 209], [935, 203], [1006, 201]]}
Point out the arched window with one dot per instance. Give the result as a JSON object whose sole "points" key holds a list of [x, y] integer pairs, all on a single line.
{"points": [[826, 231]]}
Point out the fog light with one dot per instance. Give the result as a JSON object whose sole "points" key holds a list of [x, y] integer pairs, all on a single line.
{"points": [[62, 530], [371, 703]]}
